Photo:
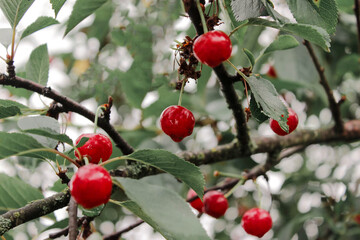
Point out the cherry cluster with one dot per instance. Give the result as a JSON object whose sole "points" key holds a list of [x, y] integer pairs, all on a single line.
{"points": [[211, 48], [91, 186], [256, 221]]}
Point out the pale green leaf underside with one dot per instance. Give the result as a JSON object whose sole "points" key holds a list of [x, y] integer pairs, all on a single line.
{"points": [[15, 193], [81, 10], [44, 123], [311, 33], [245, 9], [19, 144], [14, 10], [37, 68], [40, 23], [163, 209], [268, 99], [170, 163], [323, 14], [10, 108]]}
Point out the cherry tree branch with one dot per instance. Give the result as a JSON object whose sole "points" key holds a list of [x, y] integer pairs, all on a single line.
{"points": [[334, 106], [33, 210], [293, 142], [69, 105], [226, 84]]}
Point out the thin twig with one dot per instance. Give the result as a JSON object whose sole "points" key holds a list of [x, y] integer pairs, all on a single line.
{"points": [[65, 231], [73, 227], [69, 105], [334, 106], [117, 235], [357, 15]]}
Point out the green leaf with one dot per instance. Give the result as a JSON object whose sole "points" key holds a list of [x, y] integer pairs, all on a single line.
{"points": [[100, 27], [250, 57], [268, 99], [256, 111], [245, 9], [311, 33], [136, 82], [19, 144], [283, 42], [57, 5], [37, 68], [93, 212], [14, 10], [10, 108], [15, 193], [43, 123], [81, 10], [349, 63], [321, 13], [40, 23], [163, 209], [168, 162]]}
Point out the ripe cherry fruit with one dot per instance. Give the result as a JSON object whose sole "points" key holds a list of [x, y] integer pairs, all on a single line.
{"points": [[212, 48], [215, 204], [256, 222], [197, 203], [98, 147], [91, 186], [292, 122], [177, 122]]}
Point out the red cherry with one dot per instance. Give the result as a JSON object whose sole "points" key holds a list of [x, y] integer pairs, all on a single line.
{"points": [[256, 222], [177, 122], [357, 218], [197, 203], [91, 186], [272, 72], [212, 48], [215, 204], [97, 147], [292, 122]]}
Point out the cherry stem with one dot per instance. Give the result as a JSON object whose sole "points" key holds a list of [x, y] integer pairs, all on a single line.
{"points": [[238, 27], [259, 192], [116, 159], [97, 117], [49, 150], [232, 190], [243, 76], [203, 22], [181, 91]]}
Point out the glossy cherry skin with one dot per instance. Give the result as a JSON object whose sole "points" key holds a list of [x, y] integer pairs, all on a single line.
{"points": [[91, 186], [197, 203], [98, 147], [292, 122], [177, 122], [215, 204], [212, 48], [256, 222]]}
